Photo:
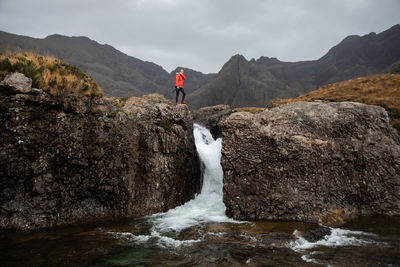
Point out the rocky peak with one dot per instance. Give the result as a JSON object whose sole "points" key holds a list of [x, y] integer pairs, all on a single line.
{"points": [[267, 60], [370, 47], [234, 66], [238, 59]]}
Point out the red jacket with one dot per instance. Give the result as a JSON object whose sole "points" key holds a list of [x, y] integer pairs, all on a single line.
{"points": [[179, 79]]}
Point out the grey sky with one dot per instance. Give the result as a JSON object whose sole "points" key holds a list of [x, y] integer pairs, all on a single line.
{"points": [[203, 34]]}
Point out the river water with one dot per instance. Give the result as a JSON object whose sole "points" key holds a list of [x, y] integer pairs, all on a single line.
{"points": [[199, 234]]}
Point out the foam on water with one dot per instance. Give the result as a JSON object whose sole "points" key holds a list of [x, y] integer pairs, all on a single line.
{"points": [[205, 207], [337, 237], [154, 237]]}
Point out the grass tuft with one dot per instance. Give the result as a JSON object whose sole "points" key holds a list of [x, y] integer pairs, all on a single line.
{"points": [[49, 74]]}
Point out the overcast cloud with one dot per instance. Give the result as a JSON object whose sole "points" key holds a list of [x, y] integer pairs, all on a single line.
{"points": [[203, 34]]}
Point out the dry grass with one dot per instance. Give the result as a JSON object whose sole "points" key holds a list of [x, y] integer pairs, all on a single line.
{"points": [[381, 90], [50, 74], [249, 109]]}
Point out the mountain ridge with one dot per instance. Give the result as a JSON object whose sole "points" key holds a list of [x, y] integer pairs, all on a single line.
{"points": [[116, 72], [267, 78], [239, 83]]}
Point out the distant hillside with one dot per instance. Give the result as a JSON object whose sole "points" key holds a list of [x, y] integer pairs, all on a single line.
{"points": [[240, 82], [256, 82], [117, 73], [382, 90], [50, 74]]}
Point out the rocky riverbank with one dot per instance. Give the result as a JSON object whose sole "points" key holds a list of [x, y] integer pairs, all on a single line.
{"points": [[306, 161], [68, 159]]}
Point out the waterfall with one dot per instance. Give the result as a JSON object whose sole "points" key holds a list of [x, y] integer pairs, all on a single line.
{"points": [[208, 205], [204, 208]]}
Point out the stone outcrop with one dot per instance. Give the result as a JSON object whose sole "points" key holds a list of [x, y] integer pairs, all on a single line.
{"points": [[76, 159], [18, 83], [306, 161]]}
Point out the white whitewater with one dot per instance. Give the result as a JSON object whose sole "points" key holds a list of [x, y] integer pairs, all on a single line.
{"points": [[208, 205], [337, 238], [205, 207]]}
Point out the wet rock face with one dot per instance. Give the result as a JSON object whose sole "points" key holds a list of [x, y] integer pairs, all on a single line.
{"points": [[209, 117], [311, 162], [72, 159]]}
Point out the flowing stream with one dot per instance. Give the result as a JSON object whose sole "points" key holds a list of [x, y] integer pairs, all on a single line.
{"points": [[205, 208], [199, 233], [208, 205]]}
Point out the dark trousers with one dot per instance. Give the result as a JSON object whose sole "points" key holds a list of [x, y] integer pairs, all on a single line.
{"points": [[179, 89]]}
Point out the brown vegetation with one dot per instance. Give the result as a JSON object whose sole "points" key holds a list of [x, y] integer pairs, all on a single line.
{"points": [[50, 74], [381, 90], [248, 109]]}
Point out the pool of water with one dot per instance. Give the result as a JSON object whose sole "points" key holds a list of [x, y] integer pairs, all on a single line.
{"points": [[199, 233], [369, 241]]}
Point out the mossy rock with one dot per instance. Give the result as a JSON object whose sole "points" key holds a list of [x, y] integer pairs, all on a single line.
{"points": [[167, 125]]}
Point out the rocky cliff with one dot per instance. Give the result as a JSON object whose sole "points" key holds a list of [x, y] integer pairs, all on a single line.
{"points": [[72, 158], [311, 162]]}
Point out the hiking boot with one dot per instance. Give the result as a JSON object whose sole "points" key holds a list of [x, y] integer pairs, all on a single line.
{"points": [[177, 103], [183, 102]]}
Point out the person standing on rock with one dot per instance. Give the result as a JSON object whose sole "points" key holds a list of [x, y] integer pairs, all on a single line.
{"points": [[180, 77]]}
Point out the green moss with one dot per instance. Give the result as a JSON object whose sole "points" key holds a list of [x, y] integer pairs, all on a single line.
{"points": [[396, 124], [167, 125], [21, 58], [363, 188], [85, 88], [96, 112], [53, 68], [5, 65], [111, 114]]}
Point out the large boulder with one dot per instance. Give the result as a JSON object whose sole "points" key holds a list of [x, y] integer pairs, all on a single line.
{"points": [[16, 83], [307, 161], [73, 159]]}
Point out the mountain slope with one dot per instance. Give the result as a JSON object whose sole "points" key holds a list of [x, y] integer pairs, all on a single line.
{"points": [[239, 83], [256, 82], [382, 90], [117, 73]]}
